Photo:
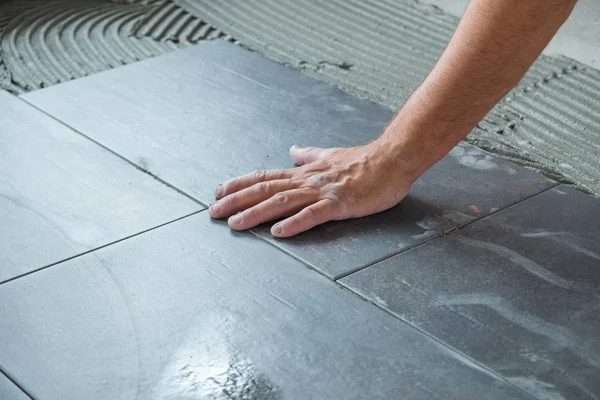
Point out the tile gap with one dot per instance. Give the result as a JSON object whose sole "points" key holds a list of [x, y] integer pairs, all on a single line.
{"points": [[477, 365], [503, 208], [335, 278], [17, 385], [439, 236], [145, 171], [381, 259], [287, 252], [99, 247]]}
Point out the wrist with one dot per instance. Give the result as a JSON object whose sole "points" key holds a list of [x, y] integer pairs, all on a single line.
{"points": [[398, 159], [417, 137]]}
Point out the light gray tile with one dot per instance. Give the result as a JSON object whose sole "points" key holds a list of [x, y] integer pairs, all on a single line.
{"points": [[199, 116], [193, 310], [61, 194], [9, 391], [518, 291]]}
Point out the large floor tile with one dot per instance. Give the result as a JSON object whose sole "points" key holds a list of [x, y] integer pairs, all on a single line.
{"points": [[61, 194], [8, 390], [518, 291], [199, 116], [192, 310]]}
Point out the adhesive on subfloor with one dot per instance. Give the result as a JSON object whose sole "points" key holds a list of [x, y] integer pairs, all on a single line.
{"points": [[382, 50]]}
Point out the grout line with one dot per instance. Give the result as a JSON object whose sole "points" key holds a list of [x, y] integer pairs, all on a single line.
{"points": [[99, 247], [476, 363], [358, 269], [136, 166], [17, 385], [394, 254], [505, 207], [287, 252]]}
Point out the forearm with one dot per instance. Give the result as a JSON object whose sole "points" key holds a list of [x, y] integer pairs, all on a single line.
{"points": [[492, 48]]}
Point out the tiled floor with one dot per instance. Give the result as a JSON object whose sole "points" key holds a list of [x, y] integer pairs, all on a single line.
{"points": [[488, 286], [524, 282], [62, 195], [233, 111]]}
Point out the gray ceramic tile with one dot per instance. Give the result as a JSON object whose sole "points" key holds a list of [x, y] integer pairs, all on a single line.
{"points": [[192, 310], [8, 391], [61, 194], [199, 116], [518, 291]]}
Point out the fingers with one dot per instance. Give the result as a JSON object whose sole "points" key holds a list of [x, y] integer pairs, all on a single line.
{"points": [[305, 155], [280, 205], [245, 181], [316, 214], [249, 197]]}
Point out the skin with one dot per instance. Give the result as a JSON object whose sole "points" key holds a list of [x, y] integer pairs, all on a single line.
{"points": [[492, 48]]}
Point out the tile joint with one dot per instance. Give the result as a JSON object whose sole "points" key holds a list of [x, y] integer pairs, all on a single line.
{"points": [[100, 247], [348, 273], [14, 382], [136, 166]]}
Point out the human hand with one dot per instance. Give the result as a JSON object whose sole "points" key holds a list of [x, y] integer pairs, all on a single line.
{"points": [[329, 184]]}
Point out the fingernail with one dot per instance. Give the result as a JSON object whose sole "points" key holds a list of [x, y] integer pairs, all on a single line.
{"points": [[215, 208], [278, 228], [236, 219], [219, 191]]}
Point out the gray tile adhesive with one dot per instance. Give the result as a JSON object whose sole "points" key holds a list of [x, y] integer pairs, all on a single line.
{"points": [[377, 49]]}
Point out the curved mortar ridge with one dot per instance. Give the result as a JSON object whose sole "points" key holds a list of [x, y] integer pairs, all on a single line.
{"points": [[50, 44]]}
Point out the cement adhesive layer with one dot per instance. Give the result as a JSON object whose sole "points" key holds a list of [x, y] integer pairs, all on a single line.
{"points": [[379, 50], [47, 42], [382, 50]]}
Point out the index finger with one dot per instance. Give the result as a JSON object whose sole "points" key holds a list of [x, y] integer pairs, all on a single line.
{"points": [[245, 181]]}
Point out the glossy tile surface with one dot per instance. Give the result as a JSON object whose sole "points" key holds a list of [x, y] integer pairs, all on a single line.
{"points": [[61, 194], [192, 310], [518, 291], [8, 391], [199, 116]]}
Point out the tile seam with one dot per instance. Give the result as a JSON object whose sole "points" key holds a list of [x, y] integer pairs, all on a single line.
{"points": [[14, 382], [100, 247], [136, 166]]}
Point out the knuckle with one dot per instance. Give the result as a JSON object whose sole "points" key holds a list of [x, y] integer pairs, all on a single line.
{"points": [[260, 174], [312, 213], [294, 221], [264, 187], [281, 198]]}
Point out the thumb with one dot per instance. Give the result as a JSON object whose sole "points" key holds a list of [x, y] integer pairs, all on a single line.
{"points": [[305, 155]]}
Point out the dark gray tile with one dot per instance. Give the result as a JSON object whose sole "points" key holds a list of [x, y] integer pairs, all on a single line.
{"points": [[199, 116], [462, 187], [193, 310], [9, 391], [61, 194], [518, 291]]}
